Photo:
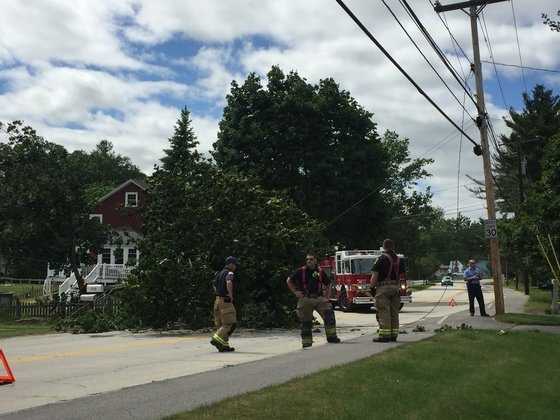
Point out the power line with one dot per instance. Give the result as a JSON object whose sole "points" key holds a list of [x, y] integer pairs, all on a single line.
{"points": [[486, 35], [422, 216], [426, 59], [398, 66], [446, 25], [443, 142], [459, 160], [457, 53], [517, 66], [518, 46], [385, 184], [436, 48]]}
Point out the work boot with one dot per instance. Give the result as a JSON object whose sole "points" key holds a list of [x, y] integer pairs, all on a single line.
{"points": [[227, 349], [381, 339], [484, 315], [333, 340], [217, 344]]}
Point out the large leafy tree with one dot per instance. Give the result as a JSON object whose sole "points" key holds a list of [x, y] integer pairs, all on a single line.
{"points": [[102, 169], [44, 213], [46, 196], [197, 216], [317, 144]]}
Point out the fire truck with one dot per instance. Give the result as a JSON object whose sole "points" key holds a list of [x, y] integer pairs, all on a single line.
{"points": [[350, 273]]}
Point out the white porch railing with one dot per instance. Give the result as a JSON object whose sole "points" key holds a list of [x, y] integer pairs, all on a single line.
{"points": [[115, 272], [100, 273]]}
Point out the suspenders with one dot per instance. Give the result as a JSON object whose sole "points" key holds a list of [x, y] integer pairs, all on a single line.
{"points": [[393, 268]]}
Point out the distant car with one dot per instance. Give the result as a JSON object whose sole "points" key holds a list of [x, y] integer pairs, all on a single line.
{"points": [[447, 281]]}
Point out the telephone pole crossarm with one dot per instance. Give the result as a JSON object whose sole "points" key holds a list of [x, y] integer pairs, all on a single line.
{"points": [[439, 8]]}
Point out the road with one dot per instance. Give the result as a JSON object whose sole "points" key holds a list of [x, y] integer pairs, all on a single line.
{"points": [[62, 367]]}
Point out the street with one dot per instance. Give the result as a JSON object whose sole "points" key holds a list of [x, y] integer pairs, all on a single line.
{"points": [[61, 367]]}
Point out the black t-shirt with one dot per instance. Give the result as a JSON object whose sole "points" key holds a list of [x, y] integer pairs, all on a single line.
{"points": [[307, 280], [383, 265], [220, 282]]}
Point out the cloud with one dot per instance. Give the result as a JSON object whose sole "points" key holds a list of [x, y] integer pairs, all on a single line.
{"points": [[83, 71], [80, 31], [61, 95]]}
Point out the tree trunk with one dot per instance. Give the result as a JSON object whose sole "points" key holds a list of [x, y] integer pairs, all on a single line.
{"points": [[75, 269]]}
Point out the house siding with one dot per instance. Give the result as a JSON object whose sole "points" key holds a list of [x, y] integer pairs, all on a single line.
{"points": [[117, 215]]}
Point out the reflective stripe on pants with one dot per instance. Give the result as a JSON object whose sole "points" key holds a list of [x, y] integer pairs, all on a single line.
{"points": [[305, 308], [388, 304], [225, 319]]}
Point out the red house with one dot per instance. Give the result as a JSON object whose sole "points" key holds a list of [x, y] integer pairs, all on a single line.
{"points": [[121, 210]]}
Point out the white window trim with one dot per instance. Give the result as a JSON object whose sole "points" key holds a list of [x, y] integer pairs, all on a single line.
{"points": [[126, 194], [110, 255], [96, 215]]}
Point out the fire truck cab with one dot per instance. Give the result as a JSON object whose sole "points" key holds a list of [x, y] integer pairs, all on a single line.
{"points": [[350, 273]]}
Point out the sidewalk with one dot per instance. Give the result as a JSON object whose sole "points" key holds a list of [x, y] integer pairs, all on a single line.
{"points": [[514, 303]]}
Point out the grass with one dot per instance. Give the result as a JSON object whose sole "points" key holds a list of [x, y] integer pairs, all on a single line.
{"points": [[419, 287], [539, 301], [529, 319], [460, 375], [25, 292], [16, 329]]}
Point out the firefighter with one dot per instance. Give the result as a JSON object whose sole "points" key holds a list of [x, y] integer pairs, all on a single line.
{"points": [[224, 311], [385, 280], [307, 284]]}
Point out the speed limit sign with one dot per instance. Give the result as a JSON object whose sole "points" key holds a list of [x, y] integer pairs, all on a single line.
{"points": [[490, 229]]}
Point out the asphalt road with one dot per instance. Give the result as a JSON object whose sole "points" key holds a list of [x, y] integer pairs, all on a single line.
{"points": [[61, 367]]}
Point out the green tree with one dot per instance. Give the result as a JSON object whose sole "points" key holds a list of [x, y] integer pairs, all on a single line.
{"points": [[553, 24], [44, 216], [317, 144], [103, 169], [531, 130], [197, 216]]}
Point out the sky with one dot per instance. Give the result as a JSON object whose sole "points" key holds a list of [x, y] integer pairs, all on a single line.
{"points": [[81, 71]]}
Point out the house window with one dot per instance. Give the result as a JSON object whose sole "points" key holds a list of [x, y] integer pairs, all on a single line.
{"points": [[131, 199], [119, 256], [106, 256], [99, 217], [132, 256]]}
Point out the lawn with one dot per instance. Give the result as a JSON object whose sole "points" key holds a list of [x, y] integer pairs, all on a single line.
{"points": [[459, 374], [539, 301], [25, 292], [15, 329], [529, 319]]}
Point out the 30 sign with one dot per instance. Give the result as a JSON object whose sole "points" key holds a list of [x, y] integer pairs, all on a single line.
{"points": [[490, 229]]}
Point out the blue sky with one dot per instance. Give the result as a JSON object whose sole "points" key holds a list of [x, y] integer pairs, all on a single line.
{"points": [[84, 71]]}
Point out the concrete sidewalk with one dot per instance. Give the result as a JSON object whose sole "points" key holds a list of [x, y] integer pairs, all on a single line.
{"points": [[164, 398], [514, 303]]}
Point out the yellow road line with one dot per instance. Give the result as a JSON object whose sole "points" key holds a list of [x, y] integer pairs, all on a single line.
{"points": [[92, 351]]}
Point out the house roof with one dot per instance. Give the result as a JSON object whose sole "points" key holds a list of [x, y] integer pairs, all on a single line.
{"points": [[138, 182]]}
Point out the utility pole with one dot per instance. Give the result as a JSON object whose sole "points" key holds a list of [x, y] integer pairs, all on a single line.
{"points": [[474, 8]]}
